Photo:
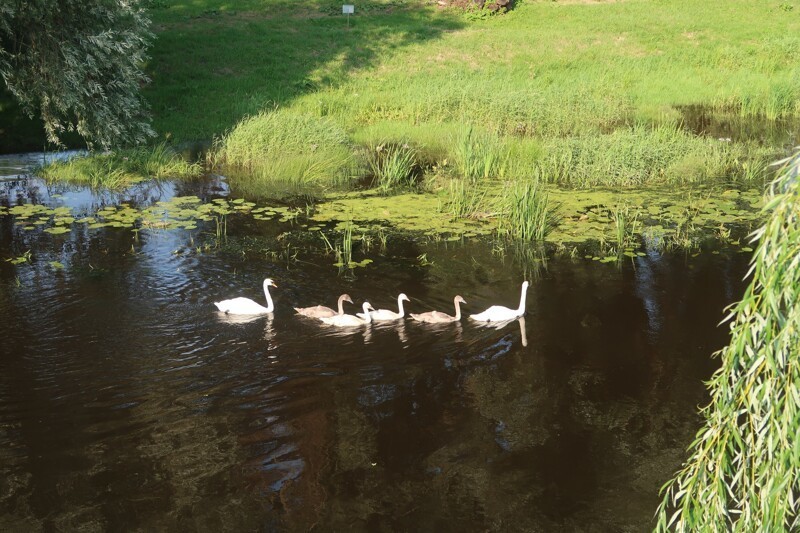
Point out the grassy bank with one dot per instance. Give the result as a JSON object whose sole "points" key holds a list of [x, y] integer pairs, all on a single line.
{"points": [[121, 168], [546, 69], [410, 96]]}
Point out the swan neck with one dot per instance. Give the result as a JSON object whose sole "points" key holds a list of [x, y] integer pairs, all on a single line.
{"points": [[458, 309], [400, 307], [270, 305], [522, 299], [367, 316], [341, 305]]}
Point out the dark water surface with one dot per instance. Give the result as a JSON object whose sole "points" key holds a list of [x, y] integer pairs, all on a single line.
{"points": [[128, 403]]}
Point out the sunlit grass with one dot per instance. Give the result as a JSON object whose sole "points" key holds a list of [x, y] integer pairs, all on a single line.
{"points": [[392, 165], [525, 211], [121, 168], [281, 147]]}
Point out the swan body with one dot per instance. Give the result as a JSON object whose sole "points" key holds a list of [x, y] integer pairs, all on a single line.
{"points": [[437, 317], [499, 313], [385, 315], [246, 306], [350, 320], [320, 311]]}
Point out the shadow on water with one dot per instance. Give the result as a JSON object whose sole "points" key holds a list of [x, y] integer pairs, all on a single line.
{"points": [[732, 126], [127, 401]]}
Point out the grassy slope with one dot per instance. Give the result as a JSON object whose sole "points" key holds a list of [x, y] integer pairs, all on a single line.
{"points": [[548, 68]]}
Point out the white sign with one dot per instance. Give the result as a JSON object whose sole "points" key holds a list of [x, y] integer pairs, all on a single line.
{"points": [[348, 9]]}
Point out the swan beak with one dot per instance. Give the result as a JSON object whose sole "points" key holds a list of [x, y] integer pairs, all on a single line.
{"points": [[273, 284]]}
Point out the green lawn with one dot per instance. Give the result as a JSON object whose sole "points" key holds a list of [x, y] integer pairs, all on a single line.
{"points": [[547, 68]]}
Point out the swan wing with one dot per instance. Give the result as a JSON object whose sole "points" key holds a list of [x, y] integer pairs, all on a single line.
{"points": [[241, 306], [316, 311], [433, 317], [496, 313], [342, 320], [384, 314]]}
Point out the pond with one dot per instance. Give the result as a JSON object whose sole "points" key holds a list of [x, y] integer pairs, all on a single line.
{"points": [[128, 402]]}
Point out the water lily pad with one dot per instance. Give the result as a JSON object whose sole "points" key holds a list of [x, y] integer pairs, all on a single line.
{"points": [[58, 230]]}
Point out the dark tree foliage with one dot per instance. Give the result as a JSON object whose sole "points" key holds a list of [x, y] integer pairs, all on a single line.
{"points": [[78, 65]]}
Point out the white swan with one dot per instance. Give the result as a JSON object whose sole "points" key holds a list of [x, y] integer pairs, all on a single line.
{"points": [[246, 306], [384, 315], [498, 313], [320, 311], [350, 320], [436, 317]]}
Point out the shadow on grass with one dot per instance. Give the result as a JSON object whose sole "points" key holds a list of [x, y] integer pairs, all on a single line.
{"points": [[215, 62], [19, 133]]}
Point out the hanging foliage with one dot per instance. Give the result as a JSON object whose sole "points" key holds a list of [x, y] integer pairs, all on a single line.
{"points": [[78, 65], [744, 470]]}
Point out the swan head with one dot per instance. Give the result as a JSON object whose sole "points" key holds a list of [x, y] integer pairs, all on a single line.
{"points": [[459, 299], [403, 297], [367, 307], [269, 283], [346, 298], [525, 285]]}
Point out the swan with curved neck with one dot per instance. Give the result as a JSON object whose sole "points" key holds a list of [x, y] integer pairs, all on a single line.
{"points": [[246, 306], [350, 320], [384, 315], [437, 317], [320, 311], [499, 313]]}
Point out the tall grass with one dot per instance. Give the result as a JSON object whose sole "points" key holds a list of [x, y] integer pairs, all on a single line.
{"points": [[525, 211], [465, 200], [285, 147], [121, 168], [393, 165], [626, 221], [478, 156], [644, 156], [743, 473]]}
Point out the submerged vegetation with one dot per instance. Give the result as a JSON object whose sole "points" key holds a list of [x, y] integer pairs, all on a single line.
{"points": [[744, 470]]}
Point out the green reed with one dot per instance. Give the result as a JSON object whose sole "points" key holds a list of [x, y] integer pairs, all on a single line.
{"points": [[626, 224], [479, 155], [464, 199], [525, 211], [121, 168], [392, 165]]}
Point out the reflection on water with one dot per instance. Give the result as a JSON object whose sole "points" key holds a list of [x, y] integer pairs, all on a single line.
{"points": [[128, 402]]}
